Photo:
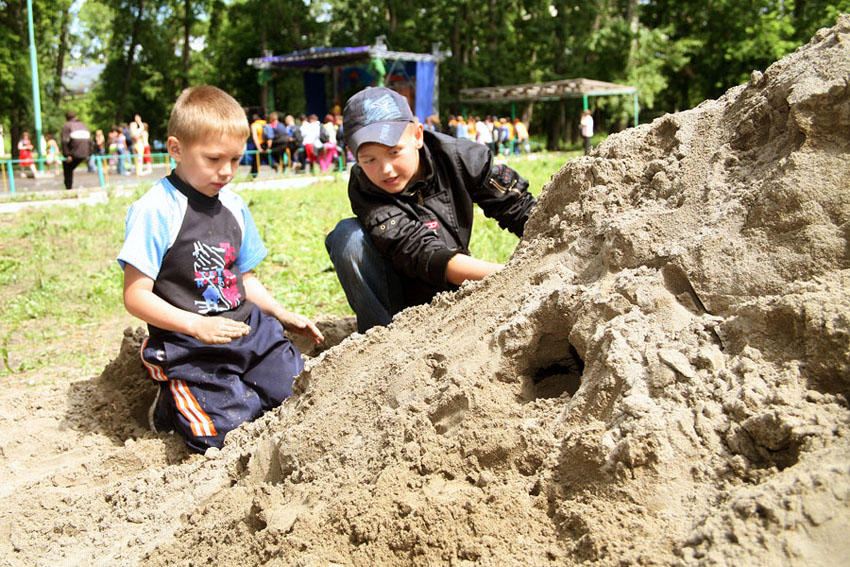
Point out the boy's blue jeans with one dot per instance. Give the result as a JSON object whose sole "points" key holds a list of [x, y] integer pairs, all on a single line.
{"points": [[371, 283]]}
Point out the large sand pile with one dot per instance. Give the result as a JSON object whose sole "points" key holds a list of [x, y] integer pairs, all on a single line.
{"points": [[659, 376]]}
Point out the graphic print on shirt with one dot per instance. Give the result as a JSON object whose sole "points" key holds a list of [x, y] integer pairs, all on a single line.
{"points": [[214, 276]]}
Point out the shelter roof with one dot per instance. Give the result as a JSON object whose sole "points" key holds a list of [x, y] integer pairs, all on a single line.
{"points": [[317, 57], [553, 90]]}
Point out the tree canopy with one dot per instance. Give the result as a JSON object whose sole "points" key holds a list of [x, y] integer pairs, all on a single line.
{"points": [[677, 53]]}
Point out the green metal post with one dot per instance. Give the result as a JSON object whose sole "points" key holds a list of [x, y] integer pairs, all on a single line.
{"points": [[11, 177], [584, 101], [99, 164], [36, 91]]}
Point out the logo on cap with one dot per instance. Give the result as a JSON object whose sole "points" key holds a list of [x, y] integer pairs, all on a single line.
{"points": [[381, 108]]}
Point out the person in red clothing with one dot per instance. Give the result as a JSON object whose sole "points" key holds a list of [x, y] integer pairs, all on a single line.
{"points": [[25, 155]]}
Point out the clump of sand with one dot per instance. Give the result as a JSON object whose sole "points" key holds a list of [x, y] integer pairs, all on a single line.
{"points": [[659, 376]]}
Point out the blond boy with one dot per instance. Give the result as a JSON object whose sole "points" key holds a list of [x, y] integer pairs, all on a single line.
{"points": [[216, 346]]}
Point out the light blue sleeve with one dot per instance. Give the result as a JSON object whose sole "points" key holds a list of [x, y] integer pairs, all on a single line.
{"points": [[253, 250], [146, 237]]}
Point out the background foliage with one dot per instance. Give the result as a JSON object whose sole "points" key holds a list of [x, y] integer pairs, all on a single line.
{"points": [[677, 52]]}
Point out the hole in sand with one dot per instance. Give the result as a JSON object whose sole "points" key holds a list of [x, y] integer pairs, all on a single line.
{"points": [[555, 378]]}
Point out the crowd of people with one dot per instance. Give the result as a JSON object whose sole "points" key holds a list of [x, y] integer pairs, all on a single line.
{"points": [[501, 135], [126, 147], [291, 143], [76, 147], [301, 143]]}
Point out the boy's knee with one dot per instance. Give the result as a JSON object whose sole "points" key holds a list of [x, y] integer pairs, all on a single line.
{"points": [[207, 427], [345, 239]]}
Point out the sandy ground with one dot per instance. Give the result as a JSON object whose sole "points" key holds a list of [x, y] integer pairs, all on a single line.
{"points": [[658, 377]]}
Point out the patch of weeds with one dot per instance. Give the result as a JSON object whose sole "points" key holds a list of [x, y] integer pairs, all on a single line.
{"points": [[4, 352], [9, 270]]}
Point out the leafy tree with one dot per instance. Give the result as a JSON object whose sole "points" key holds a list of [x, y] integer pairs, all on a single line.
{"points": [[810, 15], [16, 106], [94, 32], [676, 52], [724, 41]]}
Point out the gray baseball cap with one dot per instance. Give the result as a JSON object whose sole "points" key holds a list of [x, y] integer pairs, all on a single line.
{"points": [[375, 114]]}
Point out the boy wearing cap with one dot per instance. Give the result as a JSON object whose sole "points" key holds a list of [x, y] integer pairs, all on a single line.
{"points": [[412, 192]]}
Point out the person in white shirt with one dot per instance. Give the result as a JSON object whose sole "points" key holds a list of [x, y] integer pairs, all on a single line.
{"points": [[310, 132], [586, 129], [485, 134]]}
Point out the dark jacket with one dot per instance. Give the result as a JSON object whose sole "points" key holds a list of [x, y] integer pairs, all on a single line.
{"points": [[423, 227], [280, 138], [76, 140]]}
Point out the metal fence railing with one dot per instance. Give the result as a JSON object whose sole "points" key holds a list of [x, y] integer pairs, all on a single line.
{"points": [[100, 164], [107, 166]]}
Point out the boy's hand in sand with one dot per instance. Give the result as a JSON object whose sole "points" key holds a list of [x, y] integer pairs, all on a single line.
{"points": [[292, 322], [219, 330], [295, 323]]}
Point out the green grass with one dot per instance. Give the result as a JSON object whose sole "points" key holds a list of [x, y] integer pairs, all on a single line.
{"points": [[57, 274], [59, 278], [293, 224]]}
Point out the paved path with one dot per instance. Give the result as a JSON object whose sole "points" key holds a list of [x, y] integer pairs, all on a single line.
{"points": [[49, 195]]}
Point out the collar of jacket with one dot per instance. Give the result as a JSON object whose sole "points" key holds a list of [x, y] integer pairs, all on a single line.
{"points": [[195, 196], [426, 162]]}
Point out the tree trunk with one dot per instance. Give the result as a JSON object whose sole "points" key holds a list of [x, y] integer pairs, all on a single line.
{"points": [[454, 83], [264, 89], [392, 17], [633, 19], [295, 26], [493, 41], [60, 56], [131, 56], [187, 28], [561, 32], [527, 113], [466, 40], [557, 131], [15, 130]]}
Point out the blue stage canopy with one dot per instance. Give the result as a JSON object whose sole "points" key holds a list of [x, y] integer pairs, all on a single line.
{"points": [[414, 75]]}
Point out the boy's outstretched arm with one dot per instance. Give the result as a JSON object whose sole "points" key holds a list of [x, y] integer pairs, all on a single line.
{"points": [[141, 302], [257, 293], [462, 267]]}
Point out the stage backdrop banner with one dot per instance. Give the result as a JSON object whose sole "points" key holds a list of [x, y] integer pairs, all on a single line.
{"points": [[316, 95], [425, 76]]}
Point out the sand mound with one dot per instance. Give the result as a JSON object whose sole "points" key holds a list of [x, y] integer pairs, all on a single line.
{"points": [[659, 376]]}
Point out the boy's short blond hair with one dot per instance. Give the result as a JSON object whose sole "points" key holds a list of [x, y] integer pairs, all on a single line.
{"points": [[206, 111]]}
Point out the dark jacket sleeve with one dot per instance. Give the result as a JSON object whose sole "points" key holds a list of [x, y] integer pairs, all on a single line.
{"points": [[503, 195], [398, 234]]}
